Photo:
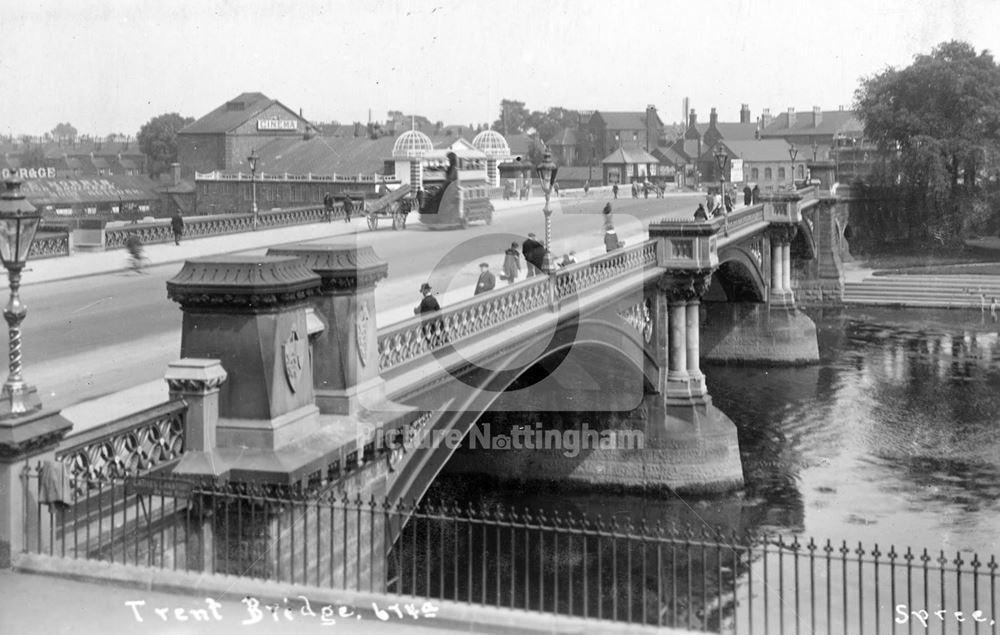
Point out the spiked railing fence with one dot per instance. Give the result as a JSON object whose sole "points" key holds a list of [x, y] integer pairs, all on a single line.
{"points": [[696, 579]]}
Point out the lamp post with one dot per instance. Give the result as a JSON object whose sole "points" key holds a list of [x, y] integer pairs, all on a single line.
{"points": [[792, 153], [547, 177], [18, 222], [815, 150], [720, 160], [252, 160]]}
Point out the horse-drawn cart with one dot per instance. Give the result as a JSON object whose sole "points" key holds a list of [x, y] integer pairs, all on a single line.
{"points": [[393, 205]]}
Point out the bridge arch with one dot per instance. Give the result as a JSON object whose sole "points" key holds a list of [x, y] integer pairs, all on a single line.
{"points": [[739, 277], [616, 340]]}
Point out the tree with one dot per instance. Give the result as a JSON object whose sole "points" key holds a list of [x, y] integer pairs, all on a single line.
{"points": [[513, 118], [937, 125], [64, 132], [549, 123], [158, 140]]}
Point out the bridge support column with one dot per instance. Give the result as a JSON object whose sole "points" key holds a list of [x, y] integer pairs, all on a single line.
{"points": [[690, 445], [781, 266], [250, 314]]}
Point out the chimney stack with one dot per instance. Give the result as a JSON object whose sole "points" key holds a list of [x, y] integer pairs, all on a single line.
{"points": [[817, 116], [745, 113], [765, 118], [692, 119], [791, 117], [713, 118], [175, 170]]}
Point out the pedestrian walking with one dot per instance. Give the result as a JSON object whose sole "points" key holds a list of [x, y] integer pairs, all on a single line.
{"points": [[134, 246], [614, 190], [606, 213], [177, 226], [993, 310], [755, 194], [727, 201], [511, 264], [328, 206], [348, 208], [428, 303], [982, 303], [747, 194], [586, 187], [487, 281], [645, 189], [635, 190], [611, 240], [534, 254], [700, 213]]}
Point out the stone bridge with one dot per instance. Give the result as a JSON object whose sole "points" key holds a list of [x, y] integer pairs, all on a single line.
{"points": [[289, 381]]}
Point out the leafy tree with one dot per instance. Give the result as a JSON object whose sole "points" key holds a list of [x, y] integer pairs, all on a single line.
{"points": [[158, 140], [513, 118], [937, 126], [64, 131], [549, 123]]}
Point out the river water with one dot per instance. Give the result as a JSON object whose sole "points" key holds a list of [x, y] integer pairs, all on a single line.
{"points": [[893, 438]]}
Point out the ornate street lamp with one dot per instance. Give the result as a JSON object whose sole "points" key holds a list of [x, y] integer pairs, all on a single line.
{"points": [[18, 222], [792, 153], [721, 156], [252, 160], [547, 170]]}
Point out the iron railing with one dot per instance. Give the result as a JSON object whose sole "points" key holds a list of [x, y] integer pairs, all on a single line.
{"points": [[136, 444], [661, 575], [202, 226], [413, 338], [50, 244]]}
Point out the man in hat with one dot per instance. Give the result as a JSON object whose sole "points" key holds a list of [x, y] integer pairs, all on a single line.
{"points": [[486, 279], [328, 206], [428, 303], [534, 254]]}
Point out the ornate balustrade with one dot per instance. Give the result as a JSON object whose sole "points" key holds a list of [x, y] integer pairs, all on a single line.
{"points": [[202, 226], [411, 339], [50, 244], [130, 446], [589, 274]]}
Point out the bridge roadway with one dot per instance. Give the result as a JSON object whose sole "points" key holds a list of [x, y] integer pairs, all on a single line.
{"points": [[91, 336]]}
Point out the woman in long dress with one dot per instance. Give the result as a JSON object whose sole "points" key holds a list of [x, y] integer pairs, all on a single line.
{"points": [[511, 264]]}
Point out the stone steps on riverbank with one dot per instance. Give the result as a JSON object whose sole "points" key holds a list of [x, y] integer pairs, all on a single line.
{"points": [[962, 291]]}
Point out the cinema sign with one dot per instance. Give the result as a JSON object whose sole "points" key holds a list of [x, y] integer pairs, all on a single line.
{"points": [[277, 124]]}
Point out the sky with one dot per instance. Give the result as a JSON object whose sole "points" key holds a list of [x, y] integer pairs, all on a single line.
{"points": [[109, 66]]}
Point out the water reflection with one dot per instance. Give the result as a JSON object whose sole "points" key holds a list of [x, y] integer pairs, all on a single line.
{"points": [[892, 438]]}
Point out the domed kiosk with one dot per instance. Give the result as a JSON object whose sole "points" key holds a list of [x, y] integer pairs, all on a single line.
{"points": [[410, 147], [495, 147]]}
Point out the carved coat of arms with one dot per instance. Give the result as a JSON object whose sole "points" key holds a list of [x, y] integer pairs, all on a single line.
{"points": [[294, 352]]}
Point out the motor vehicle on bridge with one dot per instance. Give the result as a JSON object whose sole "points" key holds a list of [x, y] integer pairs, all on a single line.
{"points": [[448, 202]]}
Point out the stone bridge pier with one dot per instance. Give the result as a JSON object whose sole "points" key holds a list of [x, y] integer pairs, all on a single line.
{"points": [[280, 371]]}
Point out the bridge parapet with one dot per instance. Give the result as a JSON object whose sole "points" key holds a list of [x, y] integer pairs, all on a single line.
{"points": [[412, 339]]}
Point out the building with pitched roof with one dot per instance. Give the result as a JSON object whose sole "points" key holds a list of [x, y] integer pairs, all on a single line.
{"points": [[629, 163], [222, 139], [819, 128], [611, 130], [766, 163]]}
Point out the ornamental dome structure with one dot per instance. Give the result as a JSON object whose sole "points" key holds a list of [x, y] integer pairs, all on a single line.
{"points": [[492, 144], [412, 144]]}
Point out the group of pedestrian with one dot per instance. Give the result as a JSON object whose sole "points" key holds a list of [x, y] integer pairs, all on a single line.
{"points": [[348, 206]]}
